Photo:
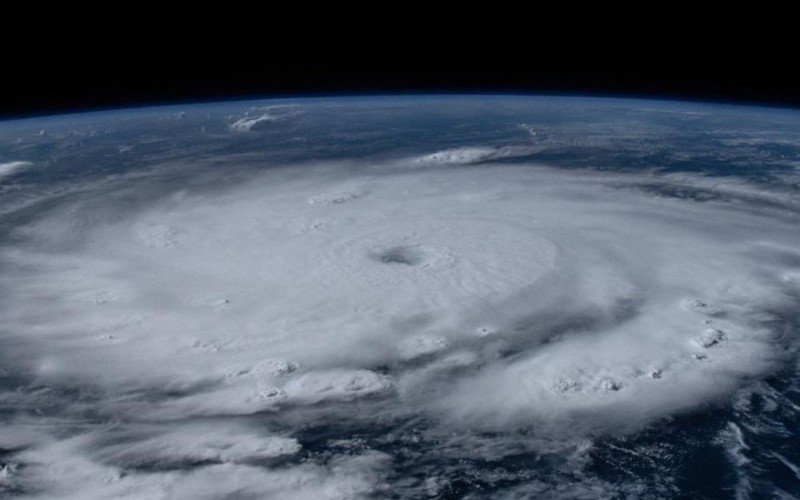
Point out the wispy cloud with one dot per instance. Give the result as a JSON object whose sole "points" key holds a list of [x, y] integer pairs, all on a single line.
{"points": [[9, 168], [259, 116], [468, 155]]}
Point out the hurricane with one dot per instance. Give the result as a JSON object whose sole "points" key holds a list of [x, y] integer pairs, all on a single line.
{"points": [[446, 297]]}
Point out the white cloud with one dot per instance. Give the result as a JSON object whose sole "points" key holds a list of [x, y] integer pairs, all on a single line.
{"points": [[257, 116], [468, 155], [571, 304], [9, 168], [68, 469], [196, 442]]}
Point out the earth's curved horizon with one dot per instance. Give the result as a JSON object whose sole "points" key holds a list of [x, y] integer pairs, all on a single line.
{"points": [[401, 296]]}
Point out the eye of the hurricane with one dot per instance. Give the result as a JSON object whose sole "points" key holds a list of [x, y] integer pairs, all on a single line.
{"points": [[401, 255]]}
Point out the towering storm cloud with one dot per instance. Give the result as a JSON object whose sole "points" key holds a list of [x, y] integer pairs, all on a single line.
{"points": [[219, 325]]}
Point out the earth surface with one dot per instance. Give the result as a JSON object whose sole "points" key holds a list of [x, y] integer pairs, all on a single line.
{"points": [[390, 297]]}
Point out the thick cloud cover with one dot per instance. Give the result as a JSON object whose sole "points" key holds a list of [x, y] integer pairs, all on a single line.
{"points": [[185, 346]]}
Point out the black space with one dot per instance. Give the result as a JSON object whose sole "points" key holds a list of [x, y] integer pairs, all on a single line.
{"points": [[131, 64]]}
